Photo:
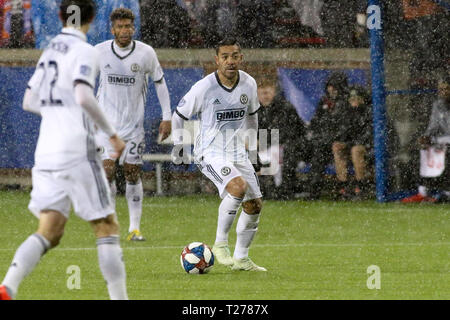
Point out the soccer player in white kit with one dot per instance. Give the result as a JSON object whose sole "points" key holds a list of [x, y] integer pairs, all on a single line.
{"points": [[67, 168], [226, 104], [125, 68]]}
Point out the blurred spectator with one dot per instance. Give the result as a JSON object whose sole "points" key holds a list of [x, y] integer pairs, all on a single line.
{"points": [[329, 125], [2, 5], [17, 28], [277, 113], [357, 144], [341, 23], [164, 24], [435, 152], [253, 23], [309, 13]]}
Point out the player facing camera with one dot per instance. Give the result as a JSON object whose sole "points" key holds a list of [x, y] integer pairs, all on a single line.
{"points": [[122, 26]]}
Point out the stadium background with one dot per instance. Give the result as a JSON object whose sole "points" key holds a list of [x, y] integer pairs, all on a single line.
{"points": [[301, 65]]}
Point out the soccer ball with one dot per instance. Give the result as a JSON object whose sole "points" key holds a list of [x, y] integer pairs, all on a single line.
{"points": [[197, 258]]}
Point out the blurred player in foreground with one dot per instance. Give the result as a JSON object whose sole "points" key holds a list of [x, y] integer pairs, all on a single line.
{"points": [[67, 169], [226, 103], [124, 70]]}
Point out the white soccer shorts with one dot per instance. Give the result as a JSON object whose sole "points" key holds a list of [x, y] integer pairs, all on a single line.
{"points": [[134, 149], [221, 172], [85, 186]]}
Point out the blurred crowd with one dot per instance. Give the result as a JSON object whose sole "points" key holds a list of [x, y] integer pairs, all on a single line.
{"points": [[340, 131], [256, 23]]}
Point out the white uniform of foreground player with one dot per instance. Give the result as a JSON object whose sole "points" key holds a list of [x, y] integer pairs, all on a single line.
{"points": [[226, 103], [125, 69], [67, 169]]}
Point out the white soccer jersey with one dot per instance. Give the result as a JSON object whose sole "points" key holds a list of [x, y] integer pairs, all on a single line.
{"points": [[66, 132], [123, 86], [222, 113]]}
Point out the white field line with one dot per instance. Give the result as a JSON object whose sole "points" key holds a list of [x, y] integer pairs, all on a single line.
{"points": [[392, 244]]}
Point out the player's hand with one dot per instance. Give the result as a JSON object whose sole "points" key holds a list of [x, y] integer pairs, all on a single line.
{"points": [[424, 142], [258, 165], [118, 146], [165, 128]]}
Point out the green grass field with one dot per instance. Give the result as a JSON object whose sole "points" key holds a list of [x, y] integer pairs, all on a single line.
{"points": [[312, 250]]}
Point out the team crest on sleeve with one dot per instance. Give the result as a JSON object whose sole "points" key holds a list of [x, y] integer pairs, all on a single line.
{"points": [[135, 67], [182, 102], [225, 171], [244, 98], [85, 70]]}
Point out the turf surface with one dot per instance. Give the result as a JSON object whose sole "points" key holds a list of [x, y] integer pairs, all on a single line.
{"points": [[312, 250]]}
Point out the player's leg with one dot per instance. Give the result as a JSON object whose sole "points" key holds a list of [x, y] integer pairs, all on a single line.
{"points": [[232, 188], [110, 169], [134, 194], [110, 256], [247, 224], [228, 208], [51, 205], [30, 252], [88, 189]]}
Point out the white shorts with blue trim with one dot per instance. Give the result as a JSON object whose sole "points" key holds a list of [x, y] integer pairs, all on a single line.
{"points": [[85, 186], [221, 172]]}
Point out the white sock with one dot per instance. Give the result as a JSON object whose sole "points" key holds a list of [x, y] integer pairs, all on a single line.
{"points": [[227, 212], [246, 228], [423, 191], [134, 194], [111, 264], [113, 188], [25, 260]]}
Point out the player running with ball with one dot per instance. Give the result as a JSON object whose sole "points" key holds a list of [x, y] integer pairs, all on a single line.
{"points": [[126, 65], [226, 103]]}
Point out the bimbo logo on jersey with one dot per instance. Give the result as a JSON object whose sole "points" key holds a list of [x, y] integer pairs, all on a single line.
{"points": [[121, 80], [230, 115]]}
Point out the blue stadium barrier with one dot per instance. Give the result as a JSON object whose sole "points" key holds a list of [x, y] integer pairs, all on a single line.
{"points": [[303, 88], [19, 129]]}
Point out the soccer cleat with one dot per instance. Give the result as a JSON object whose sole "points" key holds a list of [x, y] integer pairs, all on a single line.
{"points": [[135, 235], [246, 264], [4, 295], [418, 198], [222, 254]]}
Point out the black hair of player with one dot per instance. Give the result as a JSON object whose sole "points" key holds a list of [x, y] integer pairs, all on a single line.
{"points": [[88, 10], [229, 41], [120, 14]]}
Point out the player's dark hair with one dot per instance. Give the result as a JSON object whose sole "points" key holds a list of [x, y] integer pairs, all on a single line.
{"points": [[87, 10], [229, 41], [121, 13]]}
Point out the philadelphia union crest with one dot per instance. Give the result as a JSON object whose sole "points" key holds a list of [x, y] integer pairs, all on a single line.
{"points": [[225, 171], [135, 67], [244, 98]]}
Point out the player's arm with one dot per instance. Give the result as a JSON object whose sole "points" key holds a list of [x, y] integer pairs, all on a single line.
{"points": [[251, 125], [31, 97], [184, 111], [156, 74], [429, 136], [29, 102], [84, 96], [164, 100]]}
